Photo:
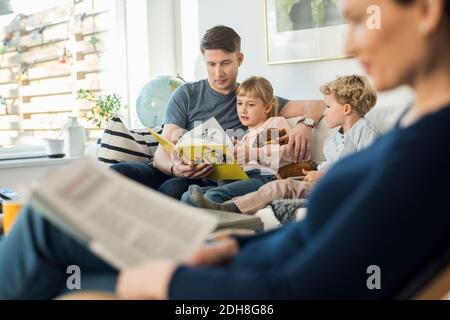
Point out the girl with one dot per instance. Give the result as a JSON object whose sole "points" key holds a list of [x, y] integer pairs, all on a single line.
{"points": [[260, 158]]}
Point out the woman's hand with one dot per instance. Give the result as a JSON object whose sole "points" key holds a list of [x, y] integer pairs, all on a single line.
{"points": [[215, 253], [151, 280], [146, 281]]}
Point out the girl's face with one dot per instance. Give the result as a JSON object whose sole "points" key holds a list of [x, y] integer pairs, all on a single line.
{"points": [[391, 51], [334, 112], [252, 110]]}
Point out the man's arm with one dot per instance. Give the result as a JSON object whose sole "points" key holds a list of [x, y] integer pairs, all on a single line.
{"points": [[301, 135], [163, 161], [308, 108]]}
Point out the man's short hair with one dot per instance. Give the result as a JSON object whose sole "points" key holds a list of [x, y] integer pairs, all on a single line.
{"points": [[354, 90], [221, 37]]}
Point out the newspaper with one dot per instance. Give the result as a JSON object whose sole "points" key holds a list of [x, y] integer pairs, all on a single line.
{"points": [[122, 221]]}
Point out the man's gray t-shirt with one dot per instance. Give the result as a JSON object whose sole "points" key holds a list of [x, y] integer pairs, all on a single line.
{"points": [[197, 101]]}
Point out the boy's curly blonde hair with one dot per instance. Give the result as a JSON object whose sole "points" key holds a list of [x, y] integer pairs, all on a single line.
{"points": [[354, 90]]}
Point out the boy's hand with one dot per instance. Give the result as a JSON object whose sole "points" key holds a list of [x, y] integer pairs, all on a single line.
{"points": [[312, 176]]}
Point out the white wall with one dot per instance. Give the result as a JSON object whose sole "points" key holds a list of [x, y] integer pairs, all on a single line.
{"points": [[151, 39], [294, 81]]}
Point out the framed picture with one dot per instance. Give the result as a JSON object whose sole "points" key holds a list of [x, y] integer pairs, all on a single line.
{"points": [[304, 30]]}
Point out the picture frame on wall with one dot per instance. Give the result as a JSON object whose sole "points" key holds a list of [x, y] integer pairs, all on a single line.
{"points": [[304, 30]]}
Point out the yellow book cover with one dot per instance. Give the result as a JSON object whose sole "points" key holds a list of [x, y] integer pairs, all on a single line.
{"points": [[225, 166]]}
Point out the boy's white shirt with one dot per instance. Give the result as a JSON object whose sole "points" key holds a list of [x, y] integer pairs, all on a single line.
{"points": [[339, 145]]}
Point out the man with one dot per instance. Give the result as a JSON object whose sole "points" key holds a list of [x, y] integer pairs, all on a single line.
{"points": [[215, 96]]}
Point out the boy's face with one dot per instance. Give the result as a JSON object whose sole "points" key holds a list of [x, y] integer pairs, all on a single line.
{"points": [[334, 112], [222, 69], [251, 110]]}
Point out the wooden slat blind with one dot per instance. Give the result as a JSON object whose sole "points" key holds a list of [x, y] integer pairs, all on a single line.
{"points": [[40, 91]]}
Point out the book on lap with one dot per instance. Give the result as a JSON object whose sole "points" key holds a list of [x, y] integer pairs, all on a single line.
{"points": [[206, 143]]}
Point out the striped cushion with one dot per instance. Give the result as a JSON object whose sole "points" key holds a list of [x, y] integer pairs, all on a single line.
{"points": [[118, 144]]}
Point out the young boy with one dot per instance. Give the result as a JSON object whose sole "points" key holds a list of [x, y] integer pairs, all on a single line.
{"points": [[348, 99]]}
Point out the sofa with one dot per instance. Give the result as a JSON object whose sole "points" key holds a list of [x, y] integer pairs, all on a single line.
{"points": [[120, 144], [383, 117]]}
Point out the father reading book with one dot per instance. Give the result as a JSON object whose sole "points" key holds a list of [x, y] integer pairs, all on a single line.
{"points": [[206, 143], [214, 96]]}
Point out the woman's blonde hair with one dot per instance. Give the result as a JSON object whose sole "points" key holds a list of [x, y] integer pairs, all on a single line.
{"points": [[354, 90], [259, 87]]}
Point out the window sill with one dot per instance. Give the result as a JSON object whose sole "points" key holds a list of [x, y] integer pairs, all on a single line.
{"points": [[33, 162]]}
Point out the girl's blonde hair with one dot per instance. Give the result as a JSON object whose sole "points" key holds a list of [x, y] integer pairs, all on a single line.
{"points": [[354, 90], [261, 88]]}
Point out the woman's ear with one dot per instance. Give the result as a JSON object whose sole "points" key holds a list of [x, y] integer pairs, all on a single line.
{"points": [[431, 13]]}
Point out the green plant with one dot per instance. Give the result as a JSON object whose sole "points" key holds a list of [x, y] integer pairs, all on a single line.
{"points": [[318, 12], [318, 9], [105, 107]]}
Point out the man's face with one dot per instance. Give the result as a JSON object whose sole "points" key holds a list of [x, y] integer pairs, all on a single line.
{"points": [[222, 69]]}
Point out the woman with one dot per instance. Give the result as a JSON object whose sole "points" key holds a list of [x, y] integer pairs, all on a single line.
{"points": [[389, 213]]}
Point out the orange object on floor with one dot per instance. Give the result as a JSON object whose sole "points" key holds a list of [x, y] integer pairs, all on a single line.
{"points": [[11, 210]]}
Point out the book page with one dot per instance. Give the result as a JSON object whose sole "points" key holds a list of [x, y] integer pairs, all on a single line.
{"points": [[209, 132], [122, 221], [207, 143]]}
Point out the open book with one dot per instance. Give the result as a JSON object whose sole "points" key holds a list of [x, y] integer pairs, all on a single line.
{"points": [[122, 221], [208, 143]]}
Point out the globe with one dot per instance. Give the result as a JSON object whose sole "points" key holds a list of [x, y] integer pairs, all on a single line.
{"points": [[152, 99]]}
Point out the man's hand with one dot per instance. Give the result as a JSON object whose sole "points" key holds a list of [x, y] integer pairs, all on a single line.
{"points": [[191, 170], [146, 281], [215, 253], [299, 143], [312, 176]]}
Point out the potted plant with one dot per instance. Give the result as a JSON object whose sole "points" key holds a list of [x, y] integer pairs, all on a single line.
{"points": [[105, 107]]}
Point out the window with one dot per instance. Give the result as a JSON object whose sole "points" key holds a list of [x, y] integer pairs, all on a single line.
{"points": [[50, 50]]}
